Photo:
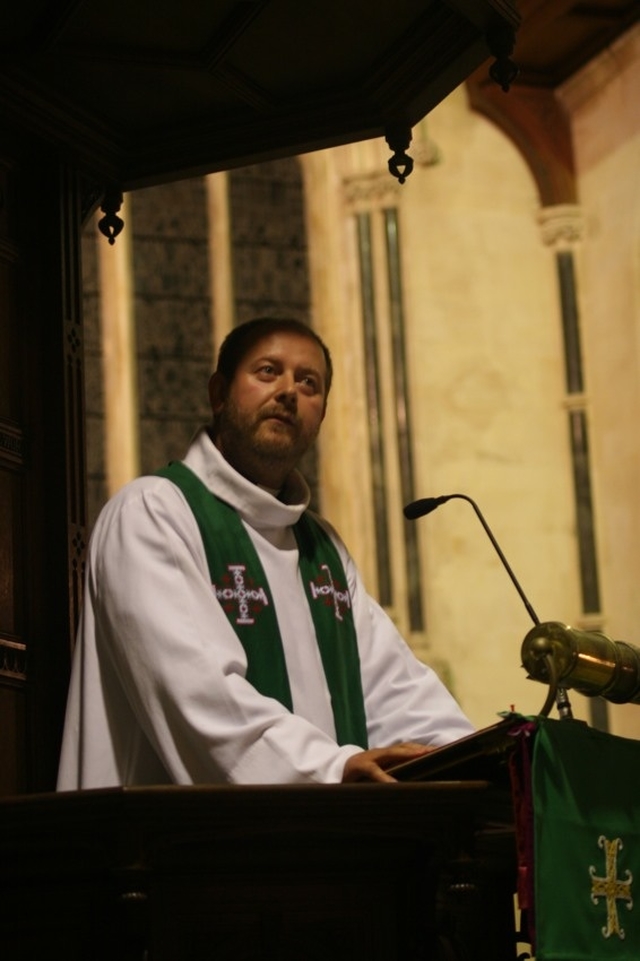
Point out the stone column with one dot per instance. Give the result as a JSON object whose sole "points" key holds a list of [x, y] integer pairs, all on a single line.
{"points": [[562, 230], [117, 325], [373, 202]]}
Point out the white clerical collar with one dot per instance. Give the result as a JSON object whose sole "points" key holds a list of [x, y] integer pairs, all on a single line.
{"points": [[274, 491], [258, 507]]}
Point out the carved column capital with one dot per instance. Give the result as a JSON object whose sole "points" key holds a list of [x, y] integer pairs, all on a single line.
{"points": [[561, 225], [367, 191]]}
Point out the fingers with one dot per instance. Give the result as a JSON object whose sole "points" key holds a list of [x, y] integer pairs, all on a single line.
{"points": [[371, 765], [363, 768], [405, 751]]}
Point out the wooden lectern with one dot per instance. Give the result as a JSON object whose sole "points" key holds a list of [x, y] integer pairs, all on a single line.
{"points": [[400, 871]]}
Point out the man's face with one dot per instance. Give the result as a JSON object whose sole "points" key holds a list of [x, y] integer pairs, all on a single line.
{"points": [[271, 412]]}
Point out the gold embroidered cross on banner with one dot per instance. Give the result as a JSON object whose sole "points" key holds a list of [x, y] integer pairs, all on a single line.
{"points": [[611, 887]]}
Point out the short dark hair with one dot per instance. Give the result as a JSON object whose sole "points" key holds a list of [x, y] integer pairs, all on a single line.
{"points": [[242, 338]]}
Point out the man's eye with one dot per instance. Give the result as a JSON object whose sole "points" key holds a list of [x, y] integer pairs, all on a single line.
{"points": [[310, 383]]}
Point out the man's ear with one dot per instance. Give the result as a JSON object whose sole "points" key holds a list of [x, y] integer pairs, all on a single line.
{"points": [[218, 388]]}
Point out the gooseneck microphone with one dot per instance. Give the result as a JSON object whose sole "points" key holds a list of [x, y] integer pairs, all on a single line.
{"points": [[427, 504], [560, 655]]}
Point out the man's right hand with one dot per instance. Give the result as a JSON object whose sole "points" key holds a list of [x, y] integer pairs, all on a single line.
{"points": [[371, 765]]}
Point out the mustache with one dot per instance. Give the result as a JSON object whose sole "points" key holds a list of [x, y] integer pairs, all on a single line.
{"points": [[281, 412]]}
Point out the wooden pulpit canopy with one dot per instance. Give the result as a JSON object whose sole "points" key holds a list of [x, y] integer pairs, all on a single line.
{"points": [[141, 93], [148, 92]]}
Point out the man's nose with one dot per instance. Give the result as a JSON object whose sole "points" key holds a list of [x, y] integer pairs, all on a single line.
{"points": [[287, 392]]}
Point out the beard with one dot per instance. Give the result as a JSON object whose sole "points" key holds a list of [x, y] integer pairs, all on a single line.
{"points": [[262, 444]]}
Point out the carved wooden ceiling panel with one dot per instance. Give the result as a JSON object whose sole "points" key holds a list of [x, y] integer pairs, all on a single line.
{"points": [[143, 90], [560, 36], [151, 90]]}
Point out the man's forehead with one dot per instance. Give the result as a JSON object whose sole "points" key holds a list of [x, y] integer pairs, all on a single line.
{"points": [[288, 345]]}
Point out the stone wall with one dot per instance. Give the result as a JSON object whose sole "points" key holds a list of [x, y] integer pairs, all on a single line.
{"points": [[172, 303], [94, 392]]}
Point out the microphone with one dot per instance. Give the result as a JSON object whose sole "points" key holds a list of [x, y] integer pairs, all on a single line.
{"points": [[427, 504], [553, 653]]}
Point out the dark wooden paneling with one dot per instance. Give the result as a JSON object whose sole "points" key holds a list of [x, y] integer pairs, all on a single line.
{"points": [[42, 494], [143, 99], [9, 387], [11, 547], [384, 872], [13, 724], [13, 727]]}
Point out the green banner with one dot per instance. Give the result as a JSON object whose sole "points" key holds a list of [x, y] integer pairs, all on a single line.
{"points": [[586, 806]]}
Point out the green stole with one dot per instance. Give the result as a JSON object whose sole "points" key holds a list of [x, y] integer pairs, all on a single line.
{"points": [[240, 583]]}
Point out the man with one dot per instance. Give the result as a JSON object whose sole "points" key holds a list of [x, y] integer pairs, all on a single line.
{"points": [[226, 636]]}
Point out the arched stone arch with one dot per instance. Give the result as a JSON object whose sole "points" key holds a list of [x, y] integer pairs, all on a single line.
{"points": [[537, 123]]}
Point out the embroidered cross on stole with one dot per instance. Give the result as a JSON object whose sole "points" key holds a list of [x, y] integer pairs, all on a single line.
{"points": [[242, 589]]}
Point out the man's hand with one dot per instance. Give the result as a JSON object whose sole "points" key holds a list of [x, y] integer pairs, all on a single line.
{"points": [[371, 765]]}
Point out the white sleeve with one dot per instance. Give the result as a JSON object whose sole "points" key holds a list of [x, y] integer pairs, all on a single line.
{"points": [[404, 699], [166, 643]]}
